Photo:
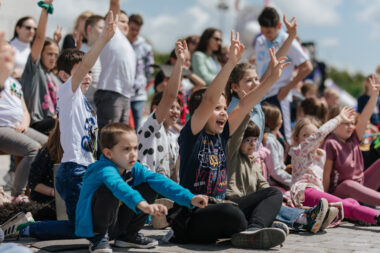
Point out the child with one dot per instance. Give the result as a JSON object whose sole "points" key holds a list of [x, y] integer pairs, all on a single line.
{"points": [[309, 90], [313, 107], [203, 169], [362, 101], [118, 177], [343, 172], [39, 84], [158, 148], [245, 177], [331, 96], [307, 167], [276, 161]]}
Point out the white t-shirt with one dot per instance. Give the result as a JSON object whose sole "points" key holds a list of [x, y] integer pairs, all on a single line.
{"points": [[118, 63], [296, 56], [96, 69], [11, 111], [78, 125], [22, 52], [158, 149]]}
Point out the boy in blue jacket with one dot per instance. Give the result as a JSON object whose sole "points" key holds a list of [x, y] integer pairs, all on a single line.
{"points": [[116, 177]]}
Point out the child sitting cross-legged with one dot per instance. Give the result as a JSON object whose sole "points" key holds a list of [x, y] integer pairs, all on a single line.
{"points": [[118, 177]]}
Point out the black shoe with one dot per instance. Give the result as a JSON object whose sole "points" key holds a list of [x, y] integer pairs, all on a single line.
{"points": [[259, 238], [100, 244], [136, 241], [316, 215]]}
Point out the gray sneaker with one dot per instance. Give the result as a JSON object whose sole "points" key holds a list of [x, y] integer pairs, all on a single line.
{"points": [[332, 212], [259, 238], [281, 225]]}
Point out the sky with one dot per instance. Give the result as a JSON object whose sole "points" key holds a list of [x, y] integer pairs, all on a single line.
{"points": [[346, 32]]}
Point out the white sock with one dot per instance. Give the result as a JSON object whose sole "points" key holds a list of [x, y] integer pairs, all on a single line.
{"points": [[301, 219]]}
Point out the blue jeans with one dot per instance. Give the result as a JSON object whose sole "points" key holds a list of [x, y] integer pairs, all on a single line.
{"points": [[289, 215], [137, 112], [68, 181]]}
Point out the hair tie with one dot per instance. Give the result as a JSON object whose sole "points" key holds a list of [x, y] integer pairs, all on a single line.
{"points": [[48, 7]]}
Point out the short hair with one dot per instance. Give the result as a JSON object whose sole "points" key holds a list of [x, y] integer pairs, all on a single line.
{"points": [[252, 130], [308, 86], [205, 37], [272, 116], [68, 58], [330, 91], [304, 122], [92, 21], [109, 135], [236, 75], [269, 17], [157, 99], [137, 19], [315, 107]]}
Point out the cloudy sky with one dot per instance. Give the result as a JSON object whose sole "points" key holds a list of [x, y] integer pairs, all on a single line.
{"points": [[346, 32]]}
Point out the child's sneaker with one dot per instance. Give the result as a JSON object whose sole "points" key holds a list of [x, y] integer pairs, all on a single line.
{"points": [[161, 222], [281, 225], [138, 240], [12, 226], [100, 244], [332, 213], [316, 215], [259, 238]]}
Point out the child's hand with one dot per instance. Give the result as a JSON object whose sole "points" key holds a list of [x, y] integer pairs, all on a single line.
{"points": [[236, 49], [58, 34], [291, 26], [278, 64], [181, 50], [199, 201], [110, 26], [152, 209], [7, 60], [347, 115], [374, 86]]}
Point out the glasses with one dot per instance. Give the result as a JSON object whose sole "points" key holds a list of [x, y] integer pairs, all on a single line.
{"points": [[217, 39], [250, 140], [27, 27]]}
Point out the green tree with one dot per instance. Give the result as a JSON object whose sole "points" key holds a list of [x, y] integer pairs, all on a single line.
{"points": [[352, 83]]}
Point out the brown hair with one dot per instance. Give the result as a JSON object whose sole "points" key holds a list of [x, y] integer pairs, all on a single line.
{"points": [[204, 39], [236, 75], [157, 99], [92, 21], [137, 19], [272, 116], [196, 99], [304, 122], [53, 144], [68, 58], [252, 130], [308, 86], [315, 107], [83, 16], [110, 133]]}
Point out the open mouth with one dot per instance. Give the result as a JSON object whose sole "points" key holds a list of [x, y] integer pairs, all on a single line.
{"points": [[220, 123]]}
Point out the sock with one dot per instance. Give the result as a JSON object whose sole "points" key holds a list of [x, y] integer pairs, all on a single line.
{"points": [[301, 219]]}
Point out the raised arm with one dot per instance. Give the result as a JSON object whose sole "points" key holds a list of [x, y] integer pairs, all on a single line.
{"points": [[246, 104], [171, 90], [214, 91], [361, 125], [115, 6], [39, 41], [7, 60], [90, 58]]}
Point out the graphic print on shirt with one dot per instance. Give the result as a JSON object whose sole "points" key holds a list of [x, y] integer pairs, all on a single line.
{"points": [[211, 176], [16, 91], [89, 141], [50, 98]]}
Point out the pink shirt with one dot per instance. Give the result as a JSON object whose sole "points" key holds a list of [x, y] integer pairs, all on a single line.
{"points": [[347, 159]]}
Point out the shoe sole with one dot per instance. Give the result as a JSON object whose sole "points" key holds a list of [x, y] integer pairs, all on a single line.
{"points": [[281, 225], [100, 250], [264, 238], [332, 213], [321, 216], [10, 226], [123, 244]]}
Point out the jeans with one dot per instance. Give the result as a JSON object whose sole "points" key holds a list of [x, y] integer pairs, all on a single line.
{"points": [[289, 215], [68, 182], [137, 112]]}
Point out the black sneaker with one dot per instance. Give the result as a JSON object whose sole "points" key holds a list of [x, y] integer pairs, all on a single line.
{"points": [[259, 238], [316, 215], [100, 244], [136, 241]]}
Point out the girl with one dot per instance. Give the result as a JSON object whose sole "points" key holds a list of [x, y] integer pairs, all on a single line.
{"points": [[307, 167], [344, 175], [39, 84], [313, 107]]}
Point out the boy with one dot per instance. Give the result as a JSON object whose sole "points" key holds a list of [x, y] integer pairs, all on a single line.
{"points": [[118, 177], [273, 36], [203, 164], [158, 148]]}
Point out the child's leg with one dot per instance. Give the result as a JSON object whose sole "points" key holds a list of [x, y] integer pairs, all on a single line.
{"points": [[355, 190], [261, 207], [289, 215], [372, 175], [352, 209]]}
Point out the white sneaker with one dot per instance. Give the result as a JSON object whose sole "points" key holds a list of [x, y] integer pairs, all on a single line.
{"points": [[11, 225]]}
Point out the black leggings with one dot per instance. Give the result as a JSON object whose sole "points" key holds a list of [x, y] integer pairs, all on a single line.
{"points": [[215, 221]]}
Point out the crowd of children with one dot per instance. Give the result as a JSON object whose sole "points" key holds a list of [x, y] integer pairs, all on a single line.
{"points": [[218, 141]]}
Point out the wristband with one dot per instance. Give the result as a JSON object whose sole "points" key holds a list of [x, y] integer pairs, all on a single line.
{"points": [[49, 8]]}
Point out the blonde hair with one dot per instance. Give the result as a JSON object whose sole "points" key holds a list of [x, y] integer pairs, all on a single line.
{"points": [[83, 16], [330, 91], [302, 123]]}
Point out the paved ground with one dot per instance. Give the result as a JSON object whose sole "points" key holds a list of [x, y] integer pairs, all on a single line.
{"points": [[345, 238]]}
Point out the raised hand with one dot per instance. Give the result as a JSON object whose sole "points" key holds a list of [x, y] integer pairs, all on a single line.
{"points": [[200, 201], [110, 26], [58, 34], [346, 115], [291, 26], [278, 64], [236, 48], [181, 50], [152, 209], [374, 86]]}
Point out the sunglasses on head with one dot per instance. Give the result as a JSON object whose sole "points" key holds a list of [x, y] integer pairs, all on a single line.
{"points": [[27, 27]]}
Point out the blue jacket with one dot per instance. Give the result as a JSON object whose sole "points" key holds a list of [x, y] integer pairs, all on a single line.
{"points": [[105, 172]]}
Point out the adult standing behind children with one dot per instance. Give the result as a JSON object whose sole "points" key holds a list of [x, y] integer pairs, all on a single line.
{"points": [[144, 71], [273, 36], [115, 88]]}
